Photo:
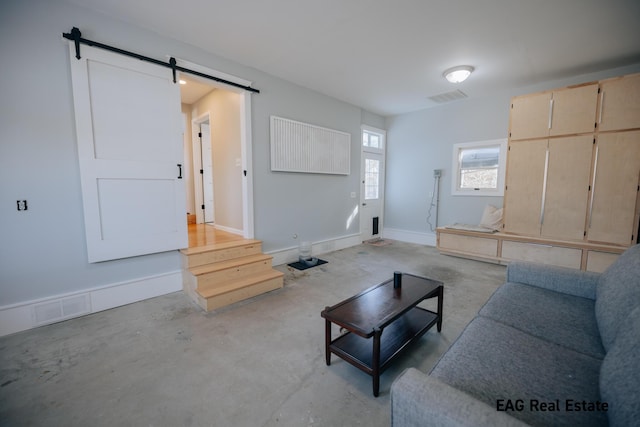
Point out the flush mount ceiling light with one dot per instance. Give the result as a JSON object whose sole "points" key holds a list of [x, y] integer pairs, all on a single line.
{"points": [[458, 74]]}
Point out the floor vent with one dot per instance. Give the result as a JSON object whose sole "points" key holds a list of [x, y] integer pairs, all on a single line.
{"points": [[62, 309], [448, 97]]}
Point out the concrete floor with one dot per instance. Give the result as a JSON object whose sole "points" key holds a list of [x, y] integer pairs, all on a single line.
{"points": [[164, 362]]}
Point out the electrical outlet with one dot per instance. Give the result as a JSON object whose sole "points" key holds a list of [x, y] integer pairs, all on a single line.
{"points": [[437, 173], [22, 205]]}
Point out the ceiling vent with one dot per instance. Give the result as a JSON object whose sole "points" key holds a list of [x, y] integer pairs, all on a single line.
{"points": [[448, 97]]}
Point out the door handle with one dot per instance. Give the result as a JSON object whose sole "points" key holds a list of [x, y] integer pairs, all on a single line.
{"points": [[179, 171], [364, 204]]}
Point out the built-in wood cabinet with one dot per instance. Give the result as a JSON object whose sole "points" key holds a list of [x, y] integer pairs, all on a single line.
{"points": [[572, 182], [567, 187], [502, 248], [619, 106], [529, 116], [613, 213], [579, 179], [559, 112], [542, 253], [524, 186], [573, 110], [547, 186]]}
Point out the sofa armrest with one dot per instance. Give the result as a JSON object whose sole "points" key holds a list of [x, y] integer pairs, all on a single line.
{"points": [[560, 279], [419, 400]]}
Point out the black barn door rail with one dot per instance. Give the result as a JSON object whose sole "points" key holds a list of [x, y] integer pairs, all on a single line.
{"points": [[76, 36]]}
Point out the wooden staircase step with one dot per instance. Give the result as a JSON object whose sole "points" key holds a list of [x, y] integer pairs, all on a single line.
{"points": [[208, 292], [194, 257], [217, 246], [221, 269], [230, 264], [238, 290], [219, 273]]}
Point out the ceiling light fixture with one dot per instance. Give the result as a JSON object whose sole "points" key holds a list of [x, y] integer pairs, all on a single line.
{"points": [[458, 74]]}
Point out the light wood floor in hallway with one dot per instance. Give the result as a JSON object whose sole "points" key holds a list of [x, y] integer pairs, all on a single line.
{"points": [[207, 235]]}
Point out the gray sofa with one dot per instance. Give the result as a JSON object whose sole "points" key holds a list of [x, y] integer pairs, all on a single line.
{"points": [[552, 346]]}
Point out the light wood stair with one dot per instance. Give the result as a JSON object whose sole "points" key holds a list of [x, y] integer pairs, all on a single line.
{"points": [[221, 274]]}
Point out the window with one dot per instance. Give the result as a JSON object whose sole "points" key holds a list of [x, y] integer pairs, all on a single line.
{"points": [[479, 168], [371, 179], [371, 140]]}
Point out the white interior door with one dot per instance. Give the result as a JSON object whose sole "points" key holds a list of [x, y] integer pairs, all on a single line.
{"points": [[130, 155], [372, 195], [207, 172]]}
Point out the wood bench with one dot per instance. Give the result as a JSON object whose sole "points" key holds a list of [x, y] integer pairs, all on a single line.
{"points": [[500, 248]]}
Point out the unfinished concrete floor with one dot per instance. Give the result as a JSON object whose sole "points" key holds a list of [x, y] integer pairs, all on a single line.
{"points": [[165, 362]]}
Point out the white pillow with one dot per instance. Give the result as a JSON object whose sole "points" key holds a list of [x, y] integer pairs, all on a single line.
{"points": [[492, 218]]}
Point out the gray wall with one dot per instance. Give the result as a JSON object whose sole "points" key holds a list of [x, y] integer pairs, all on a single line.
{"points": [[419, 142], [43, 250], [313, 206]]}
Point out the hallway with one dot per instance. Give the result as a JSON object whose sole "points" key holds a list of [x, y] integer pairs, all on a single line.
{"points": [[206, 235]]}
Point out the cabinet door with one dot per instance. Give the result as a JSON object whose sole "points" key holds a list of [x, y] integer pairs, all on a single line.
{"points": [[620, 103], [615, 188], [573, 110], [567, 188], [529, 116], [526, 161]]}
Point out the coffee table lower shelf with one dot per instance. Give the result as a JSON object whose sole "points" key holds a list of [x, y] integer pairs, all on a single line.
{"points": [[393, 339]]}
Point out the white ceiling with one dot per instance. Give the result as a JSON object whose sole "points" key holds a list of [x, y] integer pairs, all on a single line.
{"points": [[388, 56]]}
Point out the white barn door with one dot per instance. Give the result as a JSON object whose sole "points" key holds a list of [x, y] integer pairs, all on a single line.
{"points": [[130, 148]]}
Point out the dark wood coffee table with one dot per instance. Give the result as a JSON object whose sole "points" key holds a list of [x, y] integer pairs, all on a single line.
{"points": [[379, 309]]}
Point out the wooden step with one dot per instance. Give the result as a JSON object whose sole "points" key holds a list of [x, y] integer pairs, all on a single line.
{"points": [[221, 272], [194, 257], [221, 269], [238, 290]]}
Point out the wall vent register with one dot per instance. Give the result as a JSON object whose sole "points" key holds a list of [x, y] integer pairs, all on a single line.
{"points": [[305, 148]]}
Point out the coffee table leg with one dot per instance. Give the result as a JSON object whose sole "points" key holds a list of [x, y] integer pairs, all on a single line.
{"points": [[327, 341], [440, 297], [375, 362]]}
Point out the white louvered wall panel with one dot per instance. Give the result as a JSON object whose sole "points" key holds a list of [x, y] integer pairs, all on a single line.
{"points": [[301, 147]]}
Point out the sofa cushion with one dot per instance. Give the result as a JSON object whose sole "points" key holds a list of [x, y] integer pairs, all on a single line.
{"points": [[423, 400], [560, 279], [620, 374], [492, 361], [563, 319], [617, 294]]}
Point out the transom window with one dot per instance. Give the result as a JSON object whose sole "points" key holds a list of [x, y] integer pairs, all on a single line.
{"points": [[371, 139], [479, 168]]}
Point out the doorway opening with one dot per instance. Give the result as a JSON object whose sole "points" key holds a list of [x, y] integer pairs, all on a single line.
{"points": [[217, 152]]}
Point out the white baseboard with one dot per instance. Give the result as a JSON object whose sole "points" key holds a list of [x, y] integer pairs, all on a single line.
{"points": [[285, 256], [229, 229], [428, 239], [31, 314]]}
